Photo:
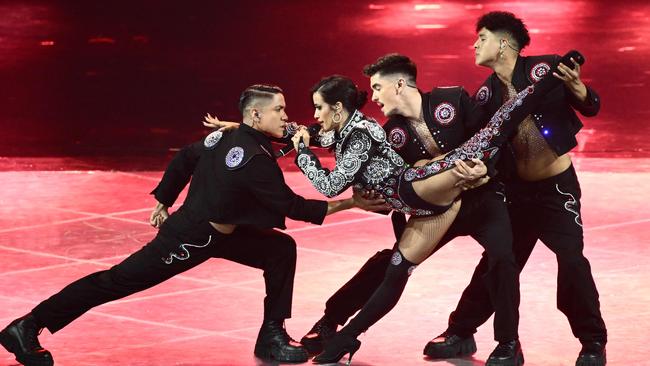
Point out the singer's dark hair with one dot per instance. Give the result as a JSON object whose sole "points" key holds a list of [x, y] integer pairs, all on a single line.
{"points": [[337, 88]]}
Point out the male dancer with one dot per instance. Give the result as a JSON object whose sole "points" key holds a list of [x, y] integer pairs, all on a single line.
{"points": [[422, 126], [543, 191], [236, 197]]}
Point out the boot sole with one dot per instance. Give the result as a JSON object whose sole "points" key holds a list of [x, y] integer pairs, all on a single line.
{"points": [[517, 362], [602, 362], [9, 344], [272, 353], [466, 347]]}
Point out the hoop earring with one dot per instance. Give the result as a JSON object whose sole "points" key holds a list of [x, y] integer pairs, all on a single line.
{"points": [[336, 118]]}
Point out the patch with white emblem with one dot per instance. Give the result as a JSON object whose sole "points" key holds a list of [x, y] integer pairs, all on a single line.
{"points": [[234, 157], [396, 258], [483, 95], [397, 137], [212, 139], [444, 113], [539, 71]]}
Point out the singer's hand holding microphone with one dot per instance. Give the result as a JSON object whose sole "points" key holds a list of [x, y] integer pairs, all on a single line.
{"points": [[302, 135]]}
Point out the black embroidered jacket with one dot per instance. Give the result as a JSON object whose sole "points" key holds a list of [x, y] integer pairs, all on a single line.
{"points": [[364, 158], [555, 117], [235, 180]]}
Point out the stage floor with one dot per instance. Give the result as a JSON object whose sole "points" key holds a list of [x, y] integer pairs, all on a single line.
{"points": [[57, 225]]}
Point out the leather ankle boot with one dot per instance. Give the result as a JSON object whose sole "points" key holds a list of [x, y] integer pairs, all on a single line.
{"points": [[273, 343], [449, 345], [506, 354], [20, 337], [592, 354]]}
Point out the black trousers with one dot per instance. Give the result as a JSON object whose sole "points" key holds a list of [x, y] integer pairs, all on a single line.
{"points": [[548, 210], [181, 244], [484, 217]]}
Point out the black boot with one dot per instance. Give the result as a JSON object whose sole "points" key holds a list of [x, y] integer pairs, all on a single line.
{"points": [[21, 338], [321, 331], [592, 354], [449, 345], [273, 343], [506, 354], [337, 347]]}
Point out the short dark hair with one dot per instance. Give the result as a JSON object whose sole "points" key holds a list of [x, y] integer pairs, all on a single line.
{"points": [[393, 63], [503, 21], [255, 92], [337, 88]]}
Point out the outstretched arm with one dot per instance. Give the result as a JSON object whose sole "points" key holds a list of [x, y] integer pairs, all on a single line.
{"points": [[271, 190]]}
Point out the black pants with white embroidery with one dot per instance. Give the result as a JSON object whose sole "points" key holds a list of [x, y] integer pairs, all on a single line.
{"points": [[547, 210], [181, 244]]}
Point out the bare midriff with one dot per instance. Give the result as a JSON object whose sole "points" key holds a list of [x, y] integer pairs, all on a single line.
{"points": [[223, 228]]}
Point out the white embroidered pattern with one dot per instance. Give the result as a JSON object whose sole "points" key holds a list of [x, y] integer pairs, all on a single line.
{"points": [[483, 95], [396, 259], [212, 139], [397, 137], [570, 205], [184, 253], [326, 139], [444, 113], [234, 156], [364, 158], [540, 70], [477, 147]]}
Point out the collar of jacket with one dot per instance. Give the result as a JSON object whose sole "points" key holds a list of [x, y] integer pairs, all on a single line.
{"points": [[349, 124], [258, 136], [519, 79]]}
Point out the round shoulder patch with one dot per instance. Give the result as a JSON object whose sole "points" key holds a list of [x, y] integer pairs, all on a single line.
{"points": [[212, 139], [397, 137], [483, 95], [444, 113], [234, 157], [539, 71]]}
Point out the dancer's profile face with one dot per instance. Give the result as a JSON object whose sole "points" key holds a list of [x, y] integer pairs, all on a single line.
{"points": [[271, 118], [324, 113], [486, 48], [385, 93]]}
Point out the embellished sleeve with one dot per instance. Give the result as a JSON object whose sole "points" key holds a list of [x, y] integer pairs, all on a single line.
{"points": [[354, 154], [178, 174]]}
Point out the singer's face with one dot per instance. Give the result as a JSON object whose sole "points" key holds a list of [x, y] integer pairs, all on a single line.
{"points": [[272, 117], [323, 113]]}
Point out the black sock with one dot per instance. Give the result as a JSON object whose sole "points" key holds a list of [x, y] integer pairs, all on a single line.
{"points": [[384, 298]]}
